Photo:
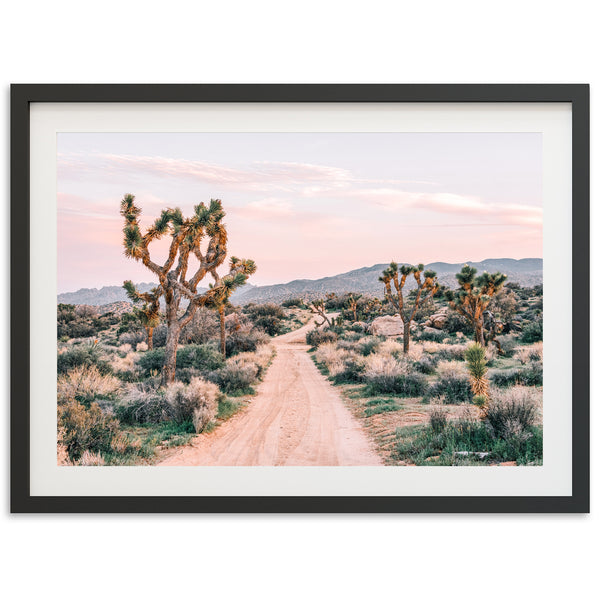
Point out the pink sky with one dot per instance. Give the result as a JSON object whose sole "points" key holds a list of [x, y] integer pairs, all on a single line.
{"points": [[304, 205]]}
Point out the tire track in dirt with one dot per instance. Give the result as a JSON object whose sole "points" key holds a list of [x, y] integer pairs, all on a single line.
{"points": [[297, 418]]}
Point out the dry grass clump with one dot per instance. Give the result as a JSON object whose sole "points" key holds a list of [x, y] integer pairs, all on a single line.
{"points": [[491, 352], [332, 357], [390, 347], [526, 354], [451, 368], [386, 364], [85, 384], [260, 359], [445, 351], [438, 417], [91, 459], [125, 348], [141, 347], [127, 363], [512, 412], [196, 402], [415, 352]]}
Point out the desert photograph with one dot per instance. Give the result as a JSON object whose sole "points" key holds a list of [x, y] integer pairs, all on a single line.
{"points": [[300, 299]]}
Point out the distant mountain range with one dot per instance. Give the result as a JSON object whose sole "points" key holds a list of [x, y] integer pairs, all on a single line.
{"points": [[526, 271]]}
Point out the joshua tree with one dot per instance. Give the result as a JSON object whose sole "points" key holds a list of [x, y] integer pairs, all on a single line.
{"points": [[226, 286], [476, 363], [353, 305], [472, 298], [427, 285], [174, 285], [317, 307], [148, 314]]}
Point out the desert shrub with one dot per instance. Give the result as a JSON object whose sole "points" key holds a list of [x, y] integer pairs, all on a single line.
{"points": [[508, 343], [451, 352], [205, 357], [268, 317], [437, 418], [368, 346], [258, 360], [84, 428], [350, 371], [82, 355], [196, 402], [451, 368], [409, 386], [81, 321], [332, 356], [91, 459], [292, 302], [456, 323], [532, 375], [512, 416], [141, 403], [316, 337], [235, 379], [159, 336], [386, 375], [86, 385], [527, 354], [152, 360], [533, 332], [240, 341], [451, 388], [203, 327], [426, 364], [391, 347], [133, 338], [430, 336]]}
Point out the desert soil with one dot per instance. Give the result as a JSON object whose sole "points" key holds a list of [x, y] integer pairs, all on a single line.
{"points": [[297, 418]]}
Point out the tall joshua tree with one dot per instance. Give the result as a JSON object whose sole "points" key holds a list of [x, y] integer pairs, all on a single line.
{"points": [[474, 295], [187, 235], [148, 314], [427, 286], [223, 290]]}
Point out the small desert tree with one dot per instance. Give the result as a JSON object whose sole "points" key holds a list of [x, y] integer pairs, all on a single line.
{"points": [[474, 295], [427, 285], [477, 366], [223, 288], [203, 236], [148, 315], [317, 307]]}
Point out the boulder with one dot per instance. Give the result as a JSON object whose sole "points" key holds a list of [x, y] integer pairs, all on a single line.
{"points": [[387, 326], [437, 321]]}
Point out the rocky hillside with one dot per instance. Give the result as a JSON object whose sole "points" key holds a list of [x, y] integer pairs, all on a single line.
{"points": [[527, 271]]}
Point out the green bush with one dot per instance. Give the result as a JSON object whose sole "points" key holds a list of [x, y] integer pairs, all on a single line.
{"points": [[430, 336], [453, 388], [204, 357], [143, 404], [245, 342], [293, 302], [533, 332], [152, 360], [235, 379], [82, 355], [408, 385], [511, 418], [532, 375], [82, 429], [316, 337], [353, 372]]}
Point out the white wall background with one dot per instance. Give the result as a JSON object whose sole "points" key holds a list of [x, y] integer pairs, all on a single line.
{"points": [[296, 556]]}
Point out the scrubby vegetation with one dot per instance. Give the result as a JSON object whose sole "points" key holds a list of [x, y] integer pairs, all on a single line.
{"points": [[443, 400]]}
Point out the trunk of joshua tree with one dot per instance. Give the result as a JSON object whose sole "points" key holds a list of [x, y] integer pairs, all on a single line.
{"points": [[222, 323], [479, 332], [406, 336], [168, 372], [150, 332]]}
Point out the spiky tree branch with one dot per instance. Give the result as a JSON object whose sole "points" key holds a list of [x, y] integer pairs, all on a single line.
{"points": [[474, 295], [427, 285], [186, 235]]}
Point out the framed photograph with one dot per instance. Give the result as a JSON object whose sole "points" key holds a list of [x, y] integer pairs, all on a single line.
{"points": [[300, 298]]}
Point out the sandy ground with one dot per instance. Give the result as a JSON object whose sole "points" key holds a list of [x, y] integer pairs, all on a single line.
{"points": [[296, 418]]}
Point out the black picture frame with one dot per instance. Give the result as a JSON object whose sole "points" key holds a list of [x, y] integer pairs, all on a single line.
{"points": [[22, 95]]}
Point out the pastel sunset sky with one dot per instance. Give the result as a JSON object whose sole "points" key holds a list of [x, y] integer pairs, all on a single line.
{"points": [[303, 205]]}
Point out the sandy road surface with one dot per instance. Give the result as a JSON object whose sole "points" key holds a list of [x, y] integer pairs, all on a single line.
{"points": [[296, 418]]}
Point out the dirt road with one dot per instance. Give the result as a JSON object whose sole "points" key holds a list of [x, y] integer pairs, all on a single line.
{"points": [[296, 418]]}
